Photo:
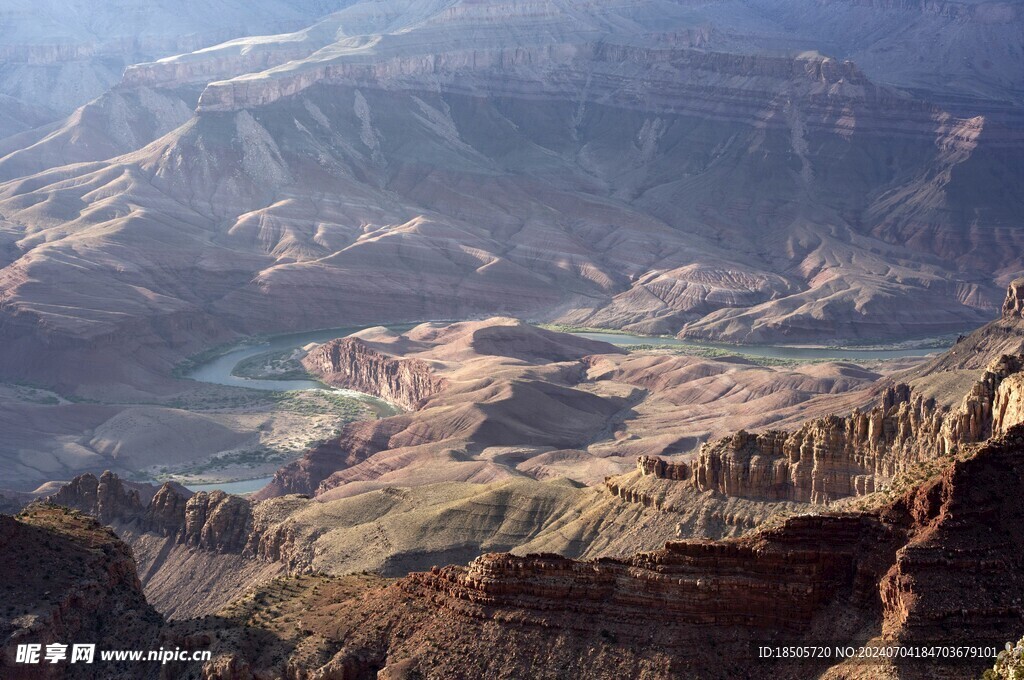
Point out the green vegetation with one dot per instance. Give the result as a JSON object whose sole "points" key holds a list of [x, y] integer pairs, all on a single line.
{"points": [[35, 395], [217, 399], [274, 365], [716, 353], [569, 328], [1009, 664], [322, 402], [302, 402], [251, 458]]}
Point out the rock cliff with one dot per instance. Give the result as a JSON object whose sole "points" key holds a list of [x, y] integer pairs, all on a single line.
{"points": [[213, 521], [67, 579], [351, 363], [776, 581], [209, 522], [1013, 306], [107, 498], [836, 457], [937, 565], [962, 571], [217, 521], [676, 80]]}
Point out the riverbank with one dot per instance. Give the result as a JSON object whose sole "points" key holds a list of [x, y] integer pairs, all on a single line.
{"points": [[269, 364]]}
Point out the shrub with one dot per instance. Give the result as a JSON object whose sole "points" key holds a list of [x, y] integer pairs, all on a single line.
{"points": [[1009, 664]]}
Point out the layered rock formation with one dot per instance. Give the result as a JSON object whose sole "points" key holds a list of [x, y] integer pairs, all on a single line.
{"points": [[776, 582], [831, 458], [630, 199], [350, 363], [61, 56], [962, 567], [67, 579], [936, 566], [213, 521]]}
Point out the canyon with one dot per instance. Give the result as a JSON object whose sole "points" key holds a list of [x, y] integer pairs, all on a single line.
{"points": [[478, 281], [463, 474], [766, 194], [508, 446], [919, 566], [57, 56]]}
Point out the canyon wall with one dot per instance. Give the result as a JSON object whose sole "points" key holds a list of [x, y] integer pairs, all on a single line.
{"points": [[75, 583], [676, 80], [776, 581], [835, 457], [213, 522], [352, 364], [939, 565]]}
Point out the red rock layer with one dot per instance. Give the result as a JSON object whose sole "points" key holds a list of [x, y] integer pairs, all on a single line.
{"points": [[962, 572], [831, 458], [940, 565], [69, 580], [350, 363], [776, 581]]}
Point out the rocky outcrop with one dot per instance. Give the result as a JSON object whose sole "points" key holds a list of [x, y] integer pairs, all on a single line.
{"points": [[962, 572], [165, 514], [663, 469], [73, 582], [214, 521], [1013, 305], [615, 487], [777, 581], [935, 565], [1008, 406], [217, 521], [831, 458], [107, 498], [351, 363]]}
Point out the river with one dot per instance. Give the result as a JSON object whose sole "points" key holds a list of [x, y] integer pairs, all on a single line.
{"points": [[772, 351], [219, 369]]}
